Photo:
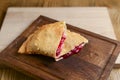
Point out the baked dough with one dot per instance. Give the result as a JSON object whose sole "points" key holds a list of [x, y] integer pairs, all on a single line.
{"points": [[44, 40], [73, 39]]}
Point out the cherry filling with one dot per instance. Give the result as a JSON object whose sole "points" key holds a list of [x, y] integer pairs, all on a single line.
{"points": [[74, 51], [60, 44]]}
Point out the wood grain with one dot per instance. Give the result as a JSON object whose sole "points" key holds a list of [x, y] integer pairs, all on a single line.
{"points": [[15, 15], [114, 10], [96, 59]]}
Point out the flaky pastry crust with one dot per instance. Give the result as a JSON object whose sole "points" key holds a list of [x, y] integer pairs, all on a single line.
{"points": [[44, 40]]}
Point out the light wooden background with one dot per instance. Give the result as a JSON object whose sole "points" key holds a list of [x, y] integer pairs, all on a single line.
{"points": [[114, 11]]}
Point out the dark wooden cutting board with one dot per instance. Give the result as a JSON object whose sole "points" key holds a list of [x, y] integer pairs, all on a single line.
{"points": [[93, 62]]}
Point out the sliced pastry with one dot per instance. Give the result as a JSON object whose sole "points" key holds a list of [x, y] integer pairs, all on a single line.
{"points": [[46, 40], [53, 40], [72, 45]]}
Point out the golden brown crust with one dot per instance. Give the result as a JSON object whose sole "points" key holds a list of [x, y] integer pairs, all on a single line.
{"points": [[73, 39], [45, 40], [22, 49]]}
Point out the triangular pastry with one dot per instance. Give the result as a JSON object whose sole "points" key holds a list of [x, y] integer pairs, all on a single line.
{"points": [[72, 45], [46, 40], [53, 40]]}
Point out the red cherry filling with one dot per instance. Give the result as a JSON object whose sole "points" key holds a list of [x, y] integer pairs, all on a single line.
{"points": [[74, 51], [59, 49]]}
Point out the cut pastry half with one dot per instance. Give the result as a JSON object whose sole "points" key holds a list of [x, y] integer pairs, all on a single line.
{"points": [[48, 40], [72, 45]]}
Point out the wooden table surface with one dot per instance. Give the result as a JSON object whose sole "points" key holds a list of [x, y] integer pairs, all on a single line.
{"points": [[90, 18], [114, 11]]}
